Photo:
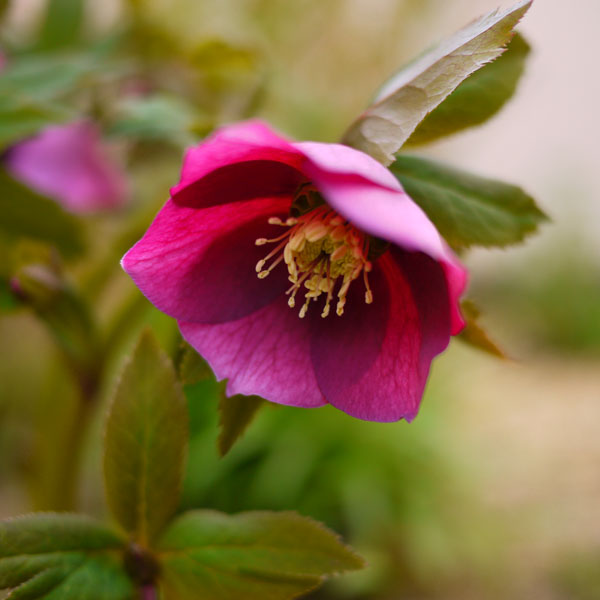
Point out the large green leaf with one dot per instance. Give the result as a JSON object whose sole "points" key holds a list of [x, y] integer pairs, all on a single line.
{"points": [[145, 443], [477, 98], [235, 414], [418, 88], [468, 210], [26, 214], [207, 555], [62, 557]]}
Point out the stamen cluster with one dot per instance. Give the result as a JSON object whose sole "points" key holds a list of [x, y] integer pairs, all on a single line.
{"points": [[320, 249]]}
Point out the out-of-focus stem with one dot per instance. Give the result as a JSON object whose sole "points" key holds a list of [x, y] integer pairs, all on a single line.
{"points": [[68, 475]]}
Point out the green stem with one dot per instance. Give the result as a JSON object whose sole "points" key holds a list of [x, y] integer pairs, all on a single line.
{"points": [[70, 468]]}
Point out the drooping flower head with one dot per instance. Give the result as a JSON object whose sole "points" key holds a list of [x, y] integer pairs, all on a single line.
{"points": [[70, 164], [303, 273]]}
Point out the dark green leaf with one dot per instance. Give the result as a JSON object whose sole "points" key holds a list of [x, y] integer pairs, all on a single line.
{"points": [[474, 334], [61, 557], [468, 210], [477, 98], [62, 23], [417, 89], [145, 443], [263, 556], [26, 214], [235, 414]]}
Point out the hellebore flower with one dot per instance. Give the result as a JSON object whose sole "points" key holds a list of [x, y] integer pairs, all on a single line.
{"points": [[69, 164], [303, 273]]}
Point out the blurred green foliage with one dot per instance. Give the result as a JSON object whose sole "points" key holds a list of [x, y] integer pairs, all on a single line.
{"points": [[156, 79]]}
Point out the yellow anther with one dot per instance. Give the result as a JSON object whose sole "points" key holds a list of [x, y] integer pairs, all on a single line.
{"points": [[322, 252]]}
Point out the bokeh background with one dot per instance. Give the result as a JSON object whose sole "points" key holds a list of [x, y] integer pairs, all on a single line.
{"points": [[493, 491]]}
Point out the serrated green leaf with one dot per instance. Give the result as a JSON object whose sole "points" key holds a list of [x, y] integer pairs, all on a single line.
{"points": [[466, 209], [235, 414], [26, 214], [146, 442], [474, 334], [62, 23], [477, 98], [405, 100], [207, 555], [54, 556]]}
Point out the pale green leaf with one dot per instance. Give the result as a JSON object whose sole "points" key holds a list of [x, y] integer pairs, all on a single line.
{"points": [[26, 214], [157, 118], [235, 414], [466, 209], [145, 443], [418, 88], [207, 555], [474, 334], [32, 90], [62, 557], [36, 90], [477, 98]]}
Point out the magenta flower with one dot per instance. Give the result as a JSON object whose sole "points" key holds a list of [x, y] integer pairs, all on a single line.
{"points": [[70, 164], [303, 273]]}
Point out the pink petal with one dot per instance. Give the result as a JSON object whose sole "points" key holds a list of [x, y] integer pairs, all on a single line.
{"points": [[393, 216], [373, 362], [343, 164], [199, 265], [238, 162], [69, 163], [266, 353]]}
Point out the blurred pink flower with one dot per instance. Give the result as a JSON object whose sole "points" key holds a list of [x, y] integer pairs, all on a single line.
{"points": [[70, 164], [258, 226]]}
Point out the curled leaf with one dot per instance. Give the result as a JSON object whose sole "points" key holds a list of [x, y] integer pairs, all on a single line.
{"points": [[406, 99]]}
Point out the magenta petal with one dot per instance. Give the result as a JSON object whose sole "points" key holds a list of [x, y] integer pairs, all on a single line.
{"points": [[239, 162], [70, 164], [393, 216], [266, 353], [339, 163], [376, 370], [199, 265]]}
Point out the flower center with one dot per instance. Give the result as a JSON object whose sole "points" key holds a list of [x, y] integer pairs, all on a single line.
{"points": [[321, 250]]}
